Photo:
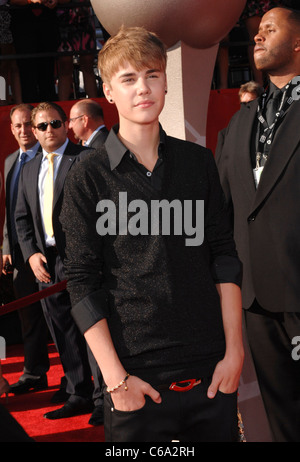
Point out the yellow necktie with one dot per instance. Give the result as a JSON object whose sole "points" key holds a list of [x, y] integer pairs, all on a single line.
{"points": [[48, 195]]}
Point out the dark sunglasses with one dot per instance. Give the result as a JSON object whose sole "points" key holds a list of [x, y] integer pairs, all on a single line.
{"points": [[54, 124]]}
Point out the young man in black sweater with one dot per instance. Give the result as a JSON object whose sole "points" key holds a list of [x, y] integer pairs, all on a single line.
{"points": [[151, 265]]}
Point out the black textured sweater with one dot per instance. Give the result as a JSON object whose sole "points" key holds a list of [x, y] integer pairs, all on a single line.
{"points": [[157, 293]]}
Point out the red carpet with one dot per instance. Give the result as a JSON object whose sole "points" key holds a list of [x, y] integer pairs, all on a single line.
{"points": [[28, 409]]}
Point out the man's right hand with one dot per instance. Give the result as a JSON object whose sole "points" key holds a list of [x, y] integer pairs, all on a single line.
{"points": [[134, 398], [37, 262], [6, 264]]}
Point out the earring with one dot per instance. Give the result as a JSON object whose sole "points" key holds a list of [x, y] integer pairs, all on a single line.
{"points": [[166, 91], [111, 100]]}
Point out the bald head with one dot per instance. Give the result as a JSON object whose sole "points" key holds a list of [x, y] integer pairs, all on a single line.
{"points": [[89, 107], [294, 18], [85, 117]]}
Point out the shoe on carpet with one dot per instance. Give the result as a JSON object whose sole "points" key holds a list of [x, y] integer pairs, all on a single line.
{"points": [[71, 408], [24, 385]]}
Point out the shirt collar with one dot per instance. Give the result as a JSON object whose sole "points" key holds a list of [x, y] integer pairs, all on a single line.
{"points": [[30, 152], [273, 88], [116, 150], [58, 151], [87, 142]]}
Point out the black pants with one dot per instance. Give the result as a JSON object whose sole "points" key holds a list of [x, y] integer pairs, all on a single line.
{"points": [[35, 332], [270, 339], [185, 416], [69, 342]]}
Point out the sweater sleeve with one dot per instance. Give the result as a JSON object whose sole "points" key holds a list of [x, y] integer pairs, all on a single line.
{"points": [[226, 266], [84, 261]]}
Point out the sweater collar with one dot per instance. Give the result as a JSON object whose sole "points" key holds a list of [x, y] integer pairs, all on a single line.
{"points": [[116, 150]]}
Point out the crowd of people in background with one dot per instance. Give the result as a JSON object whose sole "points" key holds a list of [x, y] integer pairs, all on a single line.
{"points": [[46, 37]]}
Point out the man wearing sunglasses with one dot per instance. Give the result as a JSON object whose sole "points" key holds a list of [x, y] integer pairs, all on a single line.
{"points": [[44, 249]]}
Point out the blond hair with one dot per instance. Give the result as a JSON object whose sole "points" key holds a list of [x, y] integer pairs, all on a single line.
{"points": [[133, 45]]}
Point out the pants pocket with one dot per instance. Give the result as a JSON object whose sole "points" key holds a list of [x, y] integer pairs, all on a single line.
{"points": [[119, 426]]}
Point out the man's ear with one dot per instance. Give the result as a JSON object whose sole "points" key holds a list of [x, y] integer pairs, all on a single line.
{"points": [[297, 44], [107, 92], [85, 119]]}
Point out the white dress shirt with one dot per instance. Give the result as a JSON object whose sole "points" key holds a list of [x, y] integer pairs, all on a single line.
{"points": [[50, 240]]}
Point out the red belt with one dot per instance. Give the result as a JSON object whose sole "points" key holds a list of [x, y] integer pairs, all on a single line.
{"points": [[184, 385]]}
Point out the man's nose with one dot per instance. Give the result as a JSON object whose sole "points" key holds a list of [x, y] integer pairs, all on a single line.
{"points": [[258, 37], [49, 128], [143, 86], [24, 128]]}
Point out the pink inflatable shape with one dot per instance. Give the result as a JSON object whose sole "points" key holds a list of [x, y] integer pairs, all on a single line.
{"points": [[198, 23]]}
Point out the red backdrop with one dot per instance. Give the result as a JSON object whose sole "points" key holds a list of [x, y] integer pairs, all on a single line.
{"points": [[221, 107]]}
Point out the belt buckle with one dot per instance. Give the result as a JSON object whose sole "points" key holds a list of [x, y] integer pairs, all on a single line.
{"points": [[191, 383]]}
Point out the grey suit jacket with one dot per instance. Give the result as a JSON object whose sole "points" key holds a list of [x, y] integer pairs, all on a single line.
{"points": [[99, 139]]}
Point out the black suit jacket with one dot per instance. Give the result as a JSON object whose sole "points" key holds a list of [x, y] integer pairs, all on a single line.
{"points": [[28, 216], [266, 219]]}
